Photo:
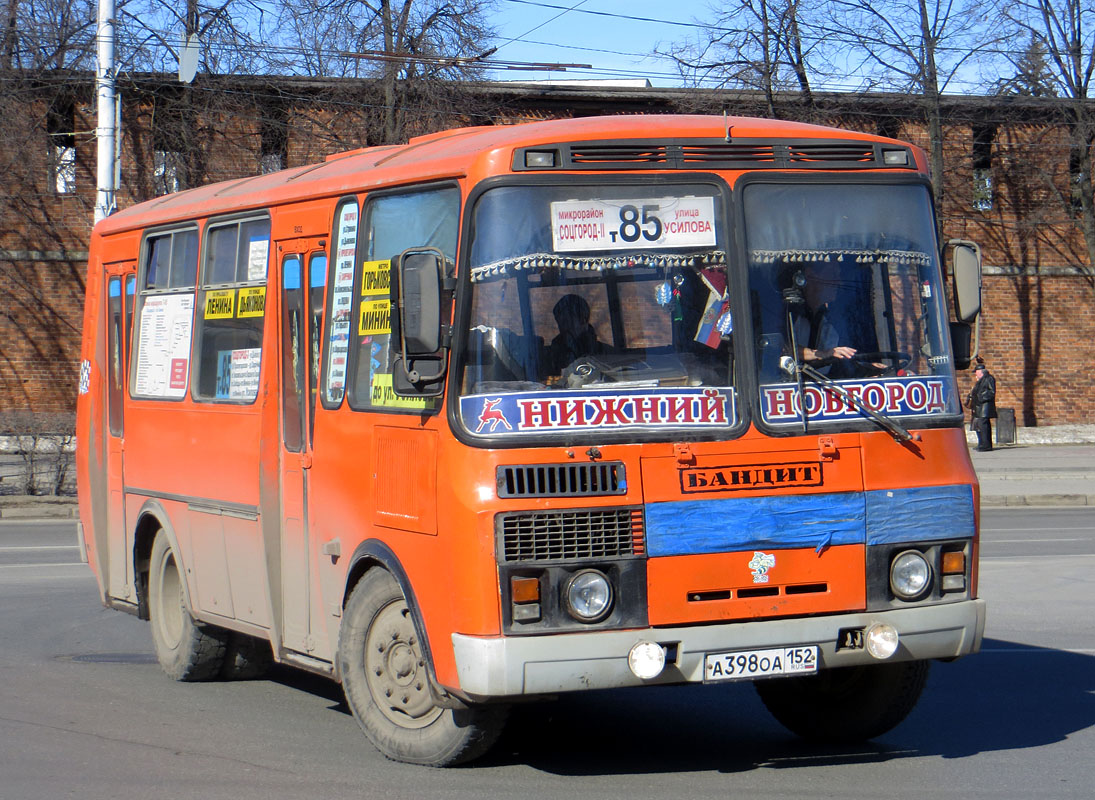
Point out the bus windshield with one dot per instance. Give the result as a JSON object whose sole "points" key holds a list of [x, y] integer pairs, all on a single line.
{"points": [[597, 306], [844, 278]]}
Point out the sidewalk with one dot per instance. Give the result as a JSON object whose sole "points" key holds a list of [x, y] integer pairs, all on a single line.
{"points": [[1046, 467], [1053, 466]]}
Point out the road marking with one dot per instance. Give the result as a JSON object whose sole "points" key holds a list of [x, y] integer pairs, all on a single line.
{"points": [[1011, 541], [1032, 530], [44, 564], [1036, 555], [1035, 650]]}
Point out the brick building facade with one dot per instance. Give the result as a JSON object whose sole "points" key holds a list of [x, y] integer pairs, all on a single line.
{"points": [[1007, 186]]}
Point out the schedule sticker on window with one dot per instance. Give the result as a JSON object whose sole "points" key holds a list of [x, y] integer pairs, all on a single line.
{"points": [[664, 222]]}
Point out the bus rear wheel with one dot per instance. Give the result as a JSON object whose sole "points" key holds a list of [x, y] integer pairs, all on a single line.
{"points": [[387, 685], [246, 658], [848, 704], [187, 650]]}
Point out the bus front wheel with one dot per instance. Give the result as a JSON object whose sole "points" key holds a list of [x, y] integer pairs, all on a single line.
{"points": [[387, 686], [848, 704], [187, 650]]}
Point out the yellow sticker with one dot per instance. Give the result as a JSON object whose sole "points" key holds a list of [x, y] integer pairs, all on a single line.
{"points": [[375, 277], [384, 395], [252, 301], [220, 303], [376, 317]]}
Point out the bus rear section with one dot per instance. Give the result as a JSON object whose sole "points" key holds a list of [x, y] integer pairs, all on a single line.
{"points": [[518, 418]]}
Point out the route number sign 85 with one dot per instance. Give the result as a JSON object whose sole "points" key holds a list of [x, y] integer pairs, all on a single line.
{"points": [[663, 222]]}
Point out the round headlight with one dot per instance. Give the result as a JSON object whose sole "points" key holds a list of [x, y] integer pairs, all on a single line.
{"points": [[588, 595], [910, 575]]}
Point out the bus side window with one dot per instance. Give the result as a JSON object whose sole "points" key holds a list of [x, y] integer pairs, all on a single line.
{"points": [[162, 306], [393, 223], [292, 368], [339, 304], [115, 336], [317, 289], [231, 311]]}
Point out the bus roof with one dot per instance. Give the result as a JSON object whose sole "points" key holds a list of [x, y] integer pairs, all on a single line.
{"points": [[447, 154]]}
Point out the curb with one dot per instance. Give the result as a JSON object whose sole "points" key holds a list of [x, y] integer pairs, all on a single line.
{"points": [[35, 508]]}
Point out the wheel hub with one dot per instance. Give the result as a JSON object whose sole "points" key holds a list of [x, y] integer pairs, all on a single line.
{"points": [[396, 669]]}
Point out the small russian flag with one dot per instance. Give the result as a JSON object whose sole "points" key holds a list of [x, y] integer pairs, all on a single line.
{"points": [[710, 332]]}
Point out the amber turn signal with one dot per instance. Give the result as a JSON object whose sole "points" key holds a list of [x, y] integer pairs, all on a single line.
{"points": [[954, 563], [524, 590]]}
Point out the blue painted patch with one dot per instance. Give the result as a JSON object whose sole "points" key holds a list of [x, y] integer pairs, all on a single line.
{"points": [[923, 514], [888, 516], [739, 523]]}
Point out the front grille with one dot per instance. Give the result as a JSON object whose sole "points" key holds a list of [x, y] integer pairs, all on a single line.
{"points": [[831, 153], [562, 480], [570, 535], [728, 155], [601, 154]]}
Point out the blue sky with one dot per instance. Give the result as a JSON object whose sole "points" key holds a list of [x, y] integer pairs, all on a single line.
{"points": [[616, 47]]}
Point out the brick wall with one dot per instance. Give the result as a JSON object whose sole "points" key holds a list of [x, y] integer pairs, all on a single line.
{"points": [[1038, 307], [1035, 333], [41, 312]]}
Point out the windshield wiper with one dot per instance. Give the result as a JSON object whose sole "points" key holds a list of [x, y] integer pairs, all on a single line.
{"points": [[788, 364]]}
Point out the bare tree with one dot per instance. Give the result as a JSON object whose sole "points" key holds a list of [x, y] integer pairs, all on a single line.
{"points": [[49, 34], [752, 44], [914, 46], [152, 33], [412, 47], [1065, 31]]}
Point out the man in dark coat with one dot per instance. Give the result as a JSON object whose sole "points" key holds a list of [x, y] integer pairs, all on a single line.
{"points": [[982, 405]]}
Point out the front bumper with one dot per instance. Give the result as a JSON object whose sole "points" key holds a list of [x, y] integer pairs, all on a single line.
{"points": [[512, 666]]}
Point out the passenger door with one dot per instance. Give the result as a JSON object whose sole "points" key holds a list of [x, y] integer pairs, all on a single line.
{"points": [[121, 282], [303, 282]]}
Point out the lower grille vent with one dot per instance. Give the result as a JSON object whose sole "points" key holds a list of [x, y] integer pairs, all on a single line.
{"points": [[562, 480], [571, 535]]}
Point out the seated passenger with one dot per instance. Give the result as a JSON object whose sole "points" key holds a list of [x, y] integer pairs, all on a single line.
{"points": [[576, 337]]}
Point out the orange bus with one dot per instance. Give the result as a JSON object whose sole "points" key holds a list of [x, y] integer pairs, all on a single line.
{"points": [[507, 412]]}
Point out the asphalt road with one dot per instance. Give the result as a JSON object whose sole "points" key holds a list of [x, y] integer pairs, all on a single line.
{"points": [[85, 711]]}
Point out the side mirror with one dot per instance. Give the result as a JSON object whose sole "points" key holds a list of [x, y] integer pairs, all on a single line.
{"points": [[966, 271], [417, 287], [961, 336]]}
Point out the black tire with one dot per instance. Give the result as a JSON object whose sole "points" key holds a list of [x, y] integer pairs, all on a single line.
{"points": [[846, 705], [387, 686], [187, 650], [246, 658]]}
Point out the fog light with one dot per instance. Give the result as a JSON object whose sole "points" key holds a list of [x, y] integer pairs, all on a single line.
{"points": [[881, 640], [646, 660], [954, 583], [910, 575], [588, 596]]}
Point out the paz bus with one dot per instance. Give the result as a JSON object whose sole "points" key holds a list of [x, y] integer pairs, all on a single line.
{"points": [[507, 412]]}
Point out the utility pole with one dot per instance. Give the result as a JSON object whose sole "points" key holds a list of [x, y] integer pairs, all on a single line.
{"points": [[106, 132]]}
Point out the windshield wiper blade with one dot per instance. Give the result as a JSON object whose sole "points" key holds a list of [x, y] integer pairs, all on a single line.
{"points": [[899, 433]]}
